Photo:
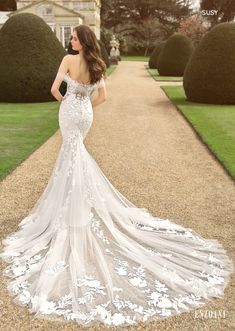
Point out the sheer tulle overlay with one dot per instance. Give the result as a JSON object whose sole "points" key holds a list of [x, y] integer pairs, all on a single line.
{"points": [[85, 253]]}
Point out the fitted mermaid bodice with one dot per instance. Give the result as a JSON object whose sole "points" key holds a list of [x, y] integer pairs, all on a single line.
{"points": [[78, 88], [76, 113]]}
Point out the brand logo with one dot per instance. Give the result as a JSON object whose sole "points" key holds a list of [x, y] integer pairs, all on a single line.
{"points": [[209, 12], [207, 314]]}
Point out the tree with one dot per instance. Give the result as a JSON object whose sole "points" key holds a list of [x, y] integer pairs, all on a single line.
{"points": [[147, 33], [104, 53], [8, 5], [105, 37], [226, 10], [115, 12], [143, 22], [155, 55], [193, 27]]}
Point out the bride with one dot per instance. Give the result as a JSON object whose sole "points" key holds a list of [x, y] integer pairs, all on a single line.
{"points": [[85, 252]]}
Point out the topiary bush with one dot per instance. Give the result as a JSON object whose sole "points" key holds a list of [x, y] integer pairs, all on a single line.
{"points": [[104, 53], [175, 55], [155, 54], [30, 55], [209, 76]]}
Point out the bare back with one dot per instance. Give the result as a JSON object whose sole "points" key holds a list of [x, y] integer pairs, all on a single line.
{"points": [[78, 69]]}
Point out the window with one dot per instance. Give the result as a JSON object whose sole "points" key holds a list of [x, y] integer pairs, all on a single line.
{"points": [[91, 5], [86, 5], [77, 5], [82, 5], [66, 4], [65, 35]]}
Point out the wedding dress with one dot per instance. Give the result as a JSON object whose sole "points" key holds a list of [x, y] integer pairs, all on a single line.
{"points": [[86, 253]]}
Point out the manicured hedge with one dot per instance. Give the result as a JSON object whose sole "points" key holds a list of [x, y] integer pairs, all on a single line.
{"points": [[175, 55], [30, 55], [209, 76], [155, 55]]}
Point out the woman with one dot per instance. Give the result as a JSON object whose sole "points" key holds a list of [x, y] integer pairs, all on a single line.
{"points": [[85, 252]]}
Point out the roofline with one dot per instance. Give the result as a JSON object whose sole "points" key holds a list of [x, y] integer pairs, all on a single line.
{"points": [[49, 1]]}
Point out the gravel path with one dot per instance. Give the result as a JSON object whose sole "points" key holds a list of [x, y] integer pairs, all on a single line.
{"points": [[151, 154]]}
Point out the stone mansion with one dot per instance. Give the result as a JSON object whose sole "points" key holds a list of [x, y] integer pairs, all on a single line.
{"points": [[62, 16]]}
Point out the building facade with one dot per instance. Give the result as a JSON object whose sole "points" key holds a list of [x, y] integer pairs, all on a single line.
{"points": [[63, 16]]}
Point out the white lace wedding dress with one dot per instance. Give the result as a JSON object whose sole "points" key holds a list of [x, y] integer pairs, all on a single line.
{"points": [[86, 253]]}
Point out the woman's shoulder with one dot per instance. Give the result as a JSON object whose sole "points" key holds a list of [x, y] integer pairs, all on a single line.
{"points": [[71, 57], [71, 61]]}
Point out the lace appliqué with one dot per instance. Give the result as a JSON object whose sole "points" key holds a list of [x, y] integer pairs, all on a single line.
{"points": [[159, 299], [79, 89]]}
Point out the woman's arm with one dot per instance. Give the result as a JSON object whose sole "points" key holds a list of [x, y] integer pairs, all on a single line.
{"points": [[102, 95], [58, 96], [63, 69]]}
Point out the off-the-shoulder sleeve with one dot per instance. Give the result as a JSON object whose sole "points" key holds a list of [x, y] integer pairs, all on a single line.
{"points": [[100, 83]]}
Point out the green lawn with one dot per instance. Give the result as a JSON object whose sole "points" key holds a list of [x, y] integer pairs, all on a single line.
{"points": [[24, 127], [134, 58], [154, 73], [213, 123]]}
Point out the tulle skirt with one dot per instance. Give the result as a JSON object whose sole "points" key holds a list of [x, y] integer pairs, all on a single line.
{"points": [[86, 253]]}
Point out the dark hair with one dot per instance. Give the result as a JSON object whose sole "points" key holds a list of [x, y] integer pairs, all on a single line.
{"points": [[91, 51]]}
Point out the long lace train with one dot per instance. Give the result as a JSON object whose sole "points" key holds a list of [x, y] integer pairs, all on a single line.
{"points": [[86, 253]]}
